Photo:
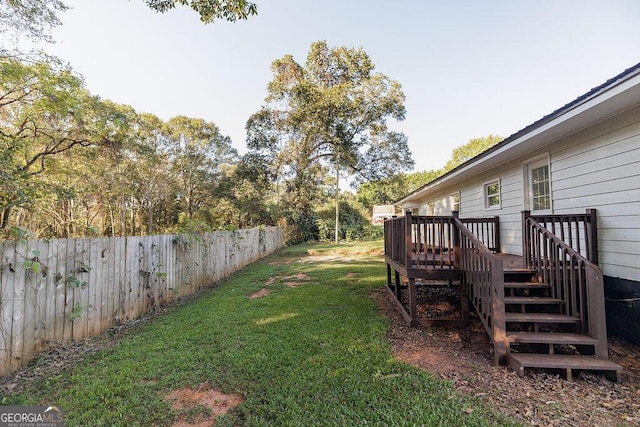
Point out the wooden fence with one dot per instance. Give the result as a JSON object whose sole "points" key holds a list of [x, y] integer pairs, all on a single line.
{"points": [[55, 291]]}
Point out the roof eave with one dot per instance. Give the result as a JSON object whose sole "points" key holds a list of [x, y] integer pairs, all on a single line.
{"points": [[627, 81]]}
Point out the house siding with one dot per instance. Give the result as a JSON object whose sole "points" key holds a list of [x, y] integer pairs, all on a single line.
{"points": [[600, 168]]}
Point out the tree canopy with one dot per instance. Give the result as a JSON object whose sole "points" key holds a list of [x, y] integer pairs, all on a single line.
{"points": [[471, 149], [29, 18], [330, 113], [210, 10], [72, 163], [34, 19]]}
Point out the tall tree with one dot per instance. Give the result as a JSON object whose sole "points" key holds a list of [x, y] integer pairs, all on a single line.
{"points": [[329, 114], [239, 187], [197, 151]]}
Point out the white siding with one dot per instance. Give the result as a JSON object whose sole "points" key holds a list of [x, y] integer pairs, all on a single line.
{"points": [[600, 168], [472, 203]]}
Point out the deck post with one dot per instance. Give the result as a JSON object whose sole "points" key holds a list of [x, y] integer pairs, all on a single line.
{"points": [[498, 313], [597, 317], [496, 231], [457, 263], [593, 235], [456, 241], [407, 240], [526, 240], [413, 312]]}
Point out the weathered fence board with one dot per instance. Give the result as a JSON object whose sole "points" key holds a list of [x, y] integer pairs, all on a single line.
{"points": [[57, 290]]}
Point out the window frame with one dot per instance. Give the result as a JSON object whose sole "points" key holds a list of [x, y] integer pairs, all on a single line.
{"points": [[529, 168], [486, 196], [454, 199]]}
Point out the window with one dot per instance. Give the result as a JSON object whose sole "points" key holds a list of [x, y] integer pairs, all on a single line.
{"points": [[492, 195], [540, 188], [455, 201], [431, 207], [539, 185]]}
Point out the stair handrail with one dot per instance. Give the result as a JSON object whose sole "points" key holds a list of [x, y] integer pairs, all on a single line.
{"points": [[483, 282], [572, 277]]}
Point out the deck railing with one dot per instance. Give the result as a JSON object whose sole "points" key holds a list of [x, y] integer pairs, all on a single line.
{"points": [[394, 239], [483, 282], [573, 277], [417, 241], [432, 241], [577, 230], [487, 230]]}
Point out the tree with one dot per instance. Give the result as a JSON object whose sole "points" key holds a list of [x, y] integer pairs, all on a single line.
{"points": [[29, 18], [34, 19], [329, 115], [45, 111], [388, 190], [210, 10], [197, 151], [471, 149], [238, 189]]}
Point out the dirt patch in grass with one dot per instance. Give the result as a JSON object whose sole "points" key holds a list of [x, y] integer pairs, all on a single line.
{"points": [[201, 406], [299, 276], [327, 258], [271, 281], [277, 263], [290, 281], [293, 284], [259, 294], [464, 357], [347, 251]]}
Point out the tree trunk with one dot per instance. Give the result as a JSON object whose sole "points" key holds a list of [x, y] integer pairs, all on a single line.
{"points": [[337, 233], [150, 223], [6, 213]]}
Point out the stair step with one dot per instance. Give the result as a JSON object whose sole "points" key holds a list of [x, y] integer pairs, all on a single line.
{"points": [[540, 318], [550, 338], [532, 300], [526, 285], [520, 361]]}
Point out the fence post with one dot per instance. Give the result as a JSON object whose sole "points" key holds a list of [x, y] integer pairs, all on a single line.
{"points": [[592, 236]]}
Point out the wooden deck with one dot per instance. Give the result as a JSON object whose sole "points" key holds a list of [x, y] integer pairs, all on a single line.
{"points": [[533, 305]]}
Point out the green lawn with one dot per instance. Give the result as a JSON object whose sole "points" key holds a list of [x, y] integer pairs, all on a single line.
{"points": [[312, 354]]}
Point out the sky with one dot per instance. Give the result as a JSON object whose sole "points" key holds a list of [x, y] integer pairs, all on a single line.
{"points": [[468, 68]]}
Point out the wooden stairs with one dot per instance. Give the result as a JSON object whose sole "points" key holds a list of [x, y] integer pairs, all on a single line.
{"points": [[540, 336]]}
